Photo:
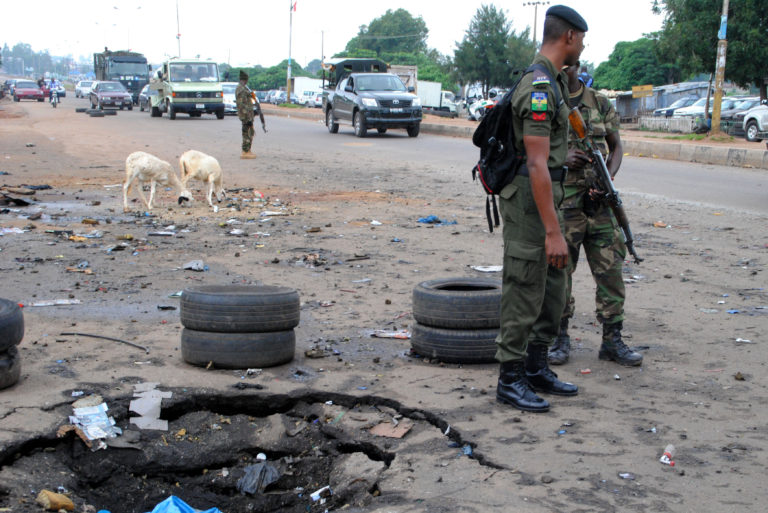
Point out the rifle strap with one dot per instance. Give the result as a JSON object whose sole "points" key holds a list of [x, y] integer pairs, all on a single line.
{"points": [[491, 206]]}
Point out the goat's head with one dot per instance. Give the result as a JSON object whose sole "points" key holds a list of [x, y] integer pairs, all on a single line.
{"points": [[185, 195]]}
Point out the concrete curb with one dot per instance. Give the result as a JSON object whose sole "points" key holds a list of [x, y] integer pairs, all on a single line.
{"points": [[715, 155]]}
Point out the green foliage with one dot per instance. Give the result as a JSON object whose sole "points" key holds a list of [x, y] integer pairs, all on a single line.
{"points": [[275, 77], [631, 63], [490, 50], [393, 32], [689, 37]]}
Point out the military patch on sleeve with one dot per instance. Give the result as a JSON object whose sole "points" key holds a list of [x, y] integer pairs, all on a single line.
{"points": [[540, 78], [539, 116], [539, 101]]}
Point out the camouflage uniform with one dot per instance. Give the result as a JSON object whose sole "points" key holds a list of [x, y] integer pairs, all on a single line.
{"points": [[245, 113], [591, 223]]}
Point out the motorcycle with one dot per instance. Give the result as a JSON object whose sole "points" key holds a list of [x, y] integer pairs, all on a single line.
{"points": [[478, 109], [54, 98]]}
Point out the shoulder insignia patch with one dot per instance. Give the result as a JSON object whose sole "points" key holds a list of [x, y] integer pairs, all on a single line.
{"points": [[540, 78], [539, 101], [539, 116]]}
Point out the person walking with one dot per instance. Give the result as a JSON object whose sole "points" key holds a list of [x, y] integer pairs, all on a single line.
{"points": [[535, 252], [245, 114], [590, 223]]}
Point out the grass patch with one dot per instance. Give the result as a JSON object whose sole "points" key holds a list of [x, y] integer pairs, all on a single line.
{"points": [[686, 137], [291, 106]]}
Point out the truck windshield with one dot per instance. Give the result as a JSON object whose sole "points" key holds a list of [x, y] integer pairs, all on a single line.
{"points": [[379, 83], [117, 68], [194, 72]]}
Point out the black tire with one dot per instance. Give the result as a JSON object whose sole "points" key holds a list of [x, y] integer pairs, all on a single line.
{"points": [[141, 107], [359, 123], [130, 107], [10, 367], [240, 309], [219, 114], [454, 346], [11, 324], [458, 303], [751, 131], [381, 130], [97, 114], [101, 107], [110, 113], [171, 111], [81, 109], [413, 130], [330, 122], [237, 350]]}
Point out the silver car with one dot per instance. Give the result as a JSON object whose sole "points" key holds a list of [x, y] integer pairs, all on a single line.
{"points": [[83, 88]]}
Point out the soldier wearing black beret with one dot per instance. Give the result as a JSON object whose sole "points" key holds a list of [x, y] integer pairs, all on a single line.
{"points": [[245, 113], [535, 251]]}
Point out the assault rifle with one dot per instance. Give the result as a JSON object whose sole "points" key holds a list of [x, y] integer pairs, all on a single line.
{"points": [[257, 104], [604, 180]]}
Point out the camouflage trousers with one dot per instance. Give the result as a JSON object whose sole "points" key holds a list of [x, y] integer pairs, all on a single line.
{"points": [[604, 248], [248, 133]]}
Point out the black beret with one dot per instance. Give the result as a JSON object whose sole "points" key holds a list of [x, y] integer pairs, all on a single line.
{"points": [[569, 15], [243, 75]]}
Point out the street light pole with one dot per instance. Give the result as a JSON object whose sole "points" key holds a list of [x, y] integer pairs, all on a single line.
{"points": [[178, 30], [722, 45], [290, 37], [535, 16]]}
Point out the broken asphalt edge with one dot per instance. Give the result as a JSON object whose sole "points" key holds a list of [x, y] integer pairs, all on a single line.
{"points": [[702, 154]]}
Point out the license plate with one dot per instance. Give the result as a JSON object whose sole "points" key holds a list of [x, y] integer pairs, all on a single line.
{"points": [[396, 110], [199, 105]]}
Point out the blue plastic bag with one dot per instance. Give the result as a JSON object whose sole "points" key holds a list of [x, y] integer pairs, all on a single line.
{"points": [[175, 505]]}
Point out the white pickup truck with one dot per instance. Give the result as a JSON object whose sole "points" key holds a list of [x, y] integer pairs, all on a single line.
{"points": [[756, 123]]}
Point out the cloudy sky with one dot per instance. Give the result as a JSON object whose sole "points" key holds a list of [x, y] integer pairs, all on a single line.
{"points": [[257, 31]]}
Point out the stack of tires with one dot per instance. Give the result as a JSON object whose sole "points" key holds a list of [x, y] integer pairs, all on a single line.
{"points": [[11, 333], [457, 319], [239, 327]]}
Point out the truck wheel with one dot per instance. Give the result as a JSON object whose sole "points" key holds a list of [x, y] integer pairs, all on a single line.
{"points": [[413, 131], [359, 122], [130, 107], [752, 131], [381, 130], [333, 127], [171, 111], [155, 112], [141, 107], [219, 114]]}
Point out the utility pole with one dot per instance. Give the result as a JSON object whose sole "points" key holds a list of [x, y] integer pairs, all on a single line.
{"points": [[178, 30], [722, 45], [290, 34], [535, 17]]}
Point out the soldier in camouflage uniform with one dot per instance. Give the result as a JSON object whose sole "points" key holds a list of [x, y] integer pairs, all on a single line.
{"points": [[591, 224], [245, 113]]}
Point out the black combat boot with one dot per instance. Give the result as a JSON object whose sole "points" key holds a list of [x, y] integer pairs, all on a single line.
{"points": [[514, 389], [614, 348], [561, 349], [541, 377]]}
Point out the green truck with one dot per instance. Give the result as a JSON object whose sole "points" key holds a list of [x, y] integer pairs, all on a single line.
{"points": [[190, 86]]}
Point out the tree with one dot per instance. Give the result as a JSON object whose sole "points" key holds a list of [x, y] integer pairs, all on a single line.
{"points": [[393, 32], [689, 38], [631, 63], [490, 50]]}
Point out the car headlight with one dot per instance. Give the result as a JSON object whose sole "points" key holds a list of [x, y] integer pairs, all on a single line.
{"points": [[370, 102], [416, 102]]}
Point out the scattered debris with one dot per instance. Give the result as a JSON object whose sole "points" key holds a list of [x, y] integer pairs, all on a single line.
{"points": [[321, 494], [148, 404], [660, 224], [53, 501], [488, 268], [195, 265], [627, 475], [258, 477], [739, 376], [57, 302], [434, 220], [175, 505], [404, 334], [391, 430], [71, 334], [669, 453], [90, 417]]}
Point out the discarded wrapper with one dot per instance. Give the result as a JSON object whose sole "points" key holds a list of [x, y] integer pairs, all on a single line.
{"points": [[53, 501], [488, 268], [391, 334], [669, 453], [322, 493], [90, 417]]}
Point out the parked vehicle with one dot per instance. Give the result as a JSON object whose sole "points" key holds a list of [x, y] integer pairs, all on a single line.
{"points": [[697, 109], [433, 97], [373, 100], [83, 88], [307, 98], [187, 85], [128, 68], [755, 124], [27, 90], [145, 97], [228, 91], [280, 97], [261, 96], [269, 98], [9, 85], [317, 100], [110, 94], [677, 104]]}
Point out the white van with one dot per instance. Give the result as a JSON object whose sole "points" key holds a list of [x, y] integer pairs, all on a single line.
{"points": [[307, 98]]}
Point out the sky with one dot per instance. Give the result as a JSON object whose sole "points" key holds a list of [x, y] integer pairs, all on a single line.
{"points": [[245, 33]]}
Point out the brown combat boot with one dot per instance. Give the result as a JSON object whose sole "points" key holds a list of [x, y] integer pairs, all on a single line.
{"points": [[247, 155]]}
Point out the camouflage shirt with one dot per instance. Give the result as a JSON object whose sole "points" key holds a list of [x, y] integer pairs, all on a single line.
{"points": [[601, 119], [244, 103]]}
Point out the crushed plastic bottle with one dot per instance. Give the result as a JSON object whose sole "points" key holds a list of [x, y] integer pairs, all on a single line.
{"points": [[669, 453]]}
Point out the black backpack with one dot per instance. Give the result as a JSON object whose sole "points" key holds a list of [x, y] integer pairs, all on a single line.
{"points": [[499, 158]]}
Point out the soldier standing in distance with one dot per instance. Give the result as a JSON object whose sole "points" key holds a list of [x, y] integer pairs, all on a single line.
{"points": [[245, 113], [535, 252], [590, 223]]}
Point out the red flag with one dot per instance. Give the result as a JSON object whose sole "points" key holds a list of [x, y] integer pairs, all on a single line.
{"points": [[293, 7]]}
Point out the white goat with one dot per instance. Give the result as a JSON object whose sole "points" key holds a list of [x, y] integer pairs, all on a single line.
{"points": [[199, 166], [143, 167]]}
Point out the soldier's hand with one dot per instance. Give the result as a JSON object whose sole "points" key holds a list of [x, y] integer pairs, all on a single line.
{"points": [[556, 250], [576, 159]]}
